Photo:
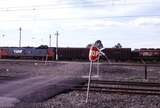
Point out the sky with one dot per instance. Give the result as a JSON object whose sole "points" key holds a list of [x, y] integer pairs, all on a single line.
{"points": [[133, 23]]}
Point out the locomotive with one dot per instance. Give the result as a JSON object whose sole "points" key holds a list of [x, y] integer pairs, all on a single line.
{"points": [[26, 53]]}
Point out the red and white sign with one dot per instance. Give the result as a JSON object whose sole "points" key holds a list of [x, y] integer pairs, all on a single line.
{"points": [[94, 54]]}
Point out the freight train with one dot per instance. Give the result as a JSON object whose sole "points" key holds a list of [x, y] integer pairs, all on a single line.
{"points": [[78, 54]]}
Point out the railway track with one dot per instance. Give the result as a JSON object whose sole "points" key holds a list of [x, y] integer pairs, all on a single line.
{"points": [[124, 87]]}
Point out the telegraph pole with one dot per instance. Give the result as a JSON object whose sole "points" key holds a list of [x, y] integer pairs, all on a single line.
{"points": [[50, 40], [57, 34], [20, 33], [3, 35]]}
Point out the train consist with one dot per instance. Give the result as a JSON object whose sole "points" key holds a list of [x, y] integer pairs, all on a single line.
{"points": [[78, 54]]}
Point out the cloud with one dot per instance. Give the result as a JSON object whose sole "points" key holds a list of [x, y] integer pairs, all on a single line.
{"points": [[80, 18], [146, 21], [94, 24]]}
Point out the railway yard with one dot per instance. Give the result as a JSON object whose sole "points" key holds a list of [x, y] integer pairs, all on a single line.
{"points": [[79, 54], [58, 84]]}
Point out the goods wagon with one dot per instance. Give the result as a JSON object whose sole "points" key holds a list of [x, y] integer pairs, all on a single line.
{"points": [[73, 53], [51, 53], [118, 54], [3, 52], [150, 54]]}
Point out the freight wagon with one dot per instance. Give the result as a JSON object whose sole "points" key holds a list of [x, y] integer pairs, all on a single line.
{"points": [[3, 52], [115, 54], [150, 54], [118, 54], [73, 53]]}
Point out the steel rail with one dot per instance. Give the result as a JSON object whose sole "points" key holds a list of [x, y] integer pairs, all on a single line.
{"points": [[106, 64], [132, 64], [129, 83], [118, 91], [122, 88], [146, 88]]}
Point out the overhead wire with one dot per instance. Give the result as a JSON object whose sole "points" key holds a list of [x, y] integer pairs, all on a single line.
{"points": [[69, 5], [84, 18], [72, 4]]}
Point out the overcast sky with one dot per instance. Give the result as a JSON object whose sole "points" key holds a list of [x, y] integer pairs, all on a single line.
{"points": [[133, 23]]}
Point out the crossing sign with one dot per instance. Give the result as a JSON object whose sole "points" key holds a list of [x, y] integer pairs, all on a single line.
{"points": [[94, 54]]}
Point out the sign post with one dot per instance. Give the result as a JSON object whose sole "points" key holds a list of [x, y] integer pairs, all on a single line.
{"points": [[98, 67], [94, 54], [89, 80]]}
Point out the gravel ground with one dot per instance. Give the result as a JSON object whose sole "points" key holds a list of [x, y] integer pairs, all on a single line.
{"points": [[76, 99], [133, 73], [22, 70]]}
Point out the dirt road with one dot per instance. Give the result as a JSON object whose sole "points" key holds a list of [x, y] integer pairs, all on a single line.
{"points": [[30, 82], [35, 89]]}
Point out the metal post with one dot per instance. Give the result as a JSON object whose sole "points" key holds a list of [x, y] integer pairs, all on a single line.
{"points": [[57, 34], [145, 67], [89, 81], [50, 40], [3, 35], [46, 59], [98, 67], [20, 29]]}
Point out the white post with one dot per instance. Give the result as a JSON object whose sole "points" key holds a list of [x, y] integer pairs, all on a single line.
{"points": [[98, 67], [89, 81], [46, 59], [20, 35], [57, 34], [50, 40]]}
